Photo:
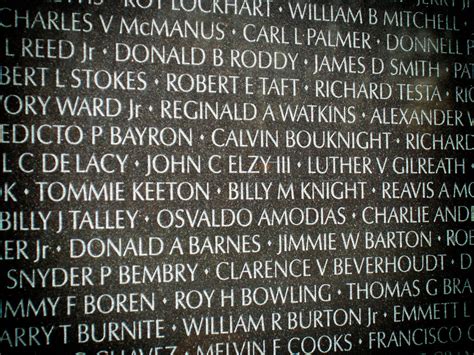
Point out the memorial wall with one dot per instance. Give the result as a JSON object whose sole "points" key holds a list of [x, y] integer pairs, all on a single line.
{"points": [[236, 177]]}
